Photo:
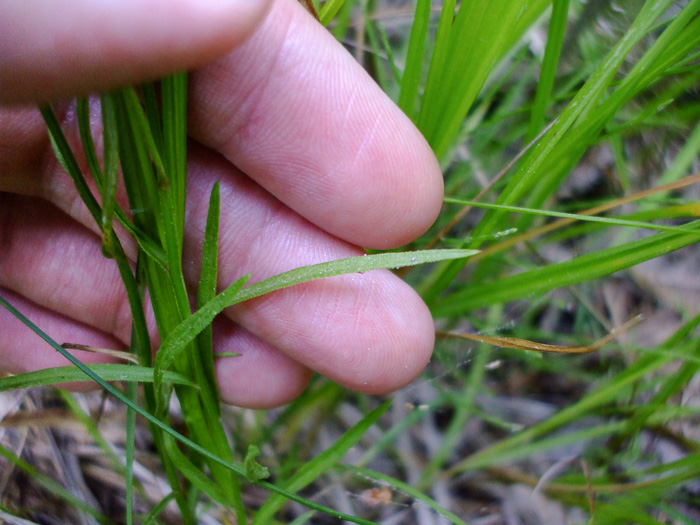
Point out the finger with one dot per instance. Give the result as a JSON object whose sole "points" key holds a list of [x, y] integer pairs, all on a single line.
{"points": [[50, 50], [53, 264], [292, 109], [369, 332], [260, 376], [23, 351]]}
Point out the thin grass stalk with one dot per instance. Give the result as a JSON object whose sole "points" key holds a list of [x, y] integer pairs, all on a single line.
{"points": [[165, 427], [552, 52]]}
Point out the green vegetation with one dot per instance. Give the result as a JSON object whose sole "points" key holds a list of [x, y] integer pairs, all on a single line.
{"points": [[536, 110]]}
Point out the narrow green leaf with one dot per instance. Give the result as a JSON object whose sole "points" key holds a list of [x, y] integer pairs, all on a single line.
{"points": [[156, 511], [65, 156], [254, 471], [326, 460], [83, 113], [111, 173], [207, 287], [362, 263], [580, 269], [329, 10], [555, 39], [174, 115], [67, 374], [612, 221], [414, 59], [186, 331], [193, 325], [194, 475]]}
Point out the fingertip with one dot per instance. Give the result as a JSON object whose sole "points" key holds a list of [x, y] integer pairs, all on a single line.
{"points": [[406, 187], [51, 50], [391, 359]]}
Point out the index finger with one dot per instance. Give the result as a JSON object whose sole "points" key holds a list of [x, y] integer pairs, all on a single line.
{"points": [[292, 109]]}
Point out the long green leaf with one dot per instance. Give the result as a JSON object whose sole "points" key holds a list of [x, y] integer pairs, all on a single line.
{"points": [[207, 288], [580, 269], [612, 221], [555, 39], [192, 326], [67, 374], [362, 263], [326, 460], [414, 59]]}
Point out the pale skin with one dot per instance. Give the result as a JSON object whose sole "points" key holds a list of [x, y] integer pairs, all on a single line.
{"points": [[313, 159]]}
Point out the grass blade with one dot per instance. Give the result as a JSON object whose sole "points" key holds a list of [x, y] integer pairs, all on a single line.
{"points": [[186, 332], [207, 288], [311, 470], [580, 269], [414, 60], [329, 10], [362, 263], [67, 374], [577, 217], [555, 39]]}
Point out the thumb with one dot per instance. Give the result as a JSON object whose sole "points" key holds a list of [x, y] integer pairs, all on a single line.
{"points": [[51, 50]]}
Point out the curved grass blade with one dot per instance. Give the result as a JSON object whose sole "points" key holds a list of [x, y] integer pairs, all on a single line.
{"points": [[317, 466], [185, 333], [158, 509], [67, 374], [163, 426], [362, 263]]}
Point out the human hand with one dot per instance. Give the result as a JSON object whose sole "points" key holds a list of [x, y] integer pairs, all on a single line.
{"points": [[313, 159]]}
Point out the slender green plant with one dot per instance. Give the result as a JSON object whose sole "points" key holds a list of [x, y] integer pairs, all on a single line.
{"points": [[470, 78]]}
